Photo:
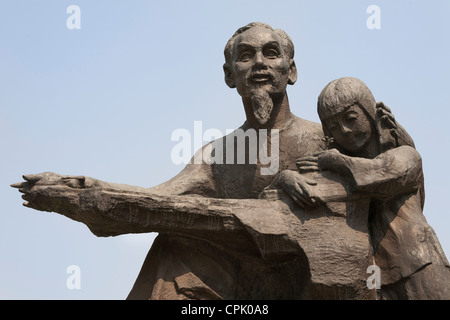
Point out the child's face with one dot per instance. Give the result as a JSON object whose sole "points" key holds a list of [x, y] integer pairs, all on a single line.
{"points": [[350, 128]]}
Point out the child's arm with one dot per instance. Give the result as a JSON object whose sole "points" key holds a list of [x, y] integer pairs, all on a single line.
{"points": [[395, 172]]}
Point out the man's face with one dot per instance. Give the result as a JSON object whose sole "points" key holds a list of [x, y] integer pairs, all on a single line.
{"points": [[259, 62]]}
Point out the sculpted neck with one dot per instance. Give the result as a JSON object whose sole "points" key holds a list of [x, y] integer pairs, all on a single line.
{"points": [[280, 117], [369, 151]]}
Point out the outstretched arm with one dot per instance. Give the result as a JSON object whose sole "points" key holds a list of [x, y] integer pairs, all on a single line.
{"points": [[110, 209]]}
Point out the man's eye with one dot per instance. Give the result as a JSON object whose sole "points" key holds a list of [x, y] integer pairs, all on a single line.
{"points": [[271, 53], [245, 56]]}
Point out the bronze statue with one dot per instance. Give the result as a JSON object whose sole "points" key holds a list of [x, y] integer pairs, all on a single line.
{"points": [[308, 231]]}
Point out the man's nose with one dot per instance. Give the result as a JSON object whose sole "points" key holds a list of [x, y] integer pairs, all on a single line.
{"points": [[259, 60]]}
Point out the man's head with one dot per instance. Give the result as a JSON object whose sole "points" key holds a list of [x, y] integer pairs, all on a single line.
{"points": [[259, 64], [286, 40]]}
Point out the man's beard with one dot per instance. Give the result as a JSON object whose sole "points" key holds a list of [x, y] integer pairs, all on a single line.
{"points": [[262, 106]]}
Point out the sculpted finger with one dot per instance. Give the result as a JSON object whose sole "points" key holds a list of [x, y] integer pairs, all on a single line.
{"points": [[32, 177], [298, 198], [304, 169], [383, 106], [311, 198], [299, 203], [303, 196], [390, 122], [30, 205], [306, 202], [316, 155], [306, 193], [380, 111], [18, 185], [394, 133], [27, 197], [311, 182], [295, 193], [303, 190], [306, 163], [23, 187], [311, 158]]}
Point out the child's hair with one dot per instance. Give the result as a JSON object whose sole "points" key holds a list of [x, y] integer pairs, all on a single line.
{"points": [[341, 93]]}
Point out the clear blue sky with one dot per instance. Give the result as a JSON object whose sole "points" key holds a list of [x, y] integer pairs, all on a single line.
{"points": [[103, 101]]}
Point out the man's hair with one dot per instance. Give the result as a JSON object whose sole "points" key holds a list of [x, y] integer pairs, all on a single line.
{"points": [[287, 44]]}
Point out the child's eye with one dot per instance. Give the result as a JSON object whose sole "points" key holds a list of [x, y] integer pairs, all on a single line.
{"points": [[332, 127], [351, 116]]}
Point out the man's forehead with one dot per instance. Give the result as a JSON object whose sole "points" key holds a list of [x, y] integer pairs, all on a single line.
{"points": [[257, 36]]}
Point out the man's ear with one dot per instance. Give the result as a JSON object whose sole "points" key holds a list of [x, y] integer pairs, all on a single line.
{"points": [[228, 76], [292, 72]]}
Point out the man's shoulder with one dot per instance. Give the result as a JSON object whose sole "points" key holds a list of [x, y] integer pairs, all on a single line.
{"points": [[302, 137], [305, 127]]}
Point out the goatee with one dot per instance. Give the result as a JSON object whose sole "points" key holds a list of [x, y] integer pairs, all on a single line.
{"points": [[262, 105]]}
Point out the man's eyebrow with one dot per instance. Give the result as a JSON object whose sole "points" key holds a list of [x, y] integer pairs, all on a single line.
{"points": [[244, 45], [272, 43]]}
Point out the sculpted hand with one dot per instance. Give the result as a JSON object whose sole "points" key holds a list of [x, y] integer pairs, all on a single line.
{"points": [[48, 191], [332, 160], [386, 117], [297, 187], [308, 164]]}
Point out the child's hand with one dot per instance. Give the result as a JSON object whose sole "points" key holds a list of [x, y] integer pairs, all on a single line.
{"points": [[308, 164], [386, 118], [331, 160]]}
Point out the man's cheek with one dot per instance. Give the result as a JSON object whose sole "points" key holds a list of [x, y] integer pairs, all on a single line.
{"points": [[282, 67], [282, 70], [241, 68]]}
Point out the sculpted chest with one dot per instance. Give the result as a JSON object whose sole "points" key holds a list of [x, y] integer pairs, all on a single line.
{"points": [[257, 161]]}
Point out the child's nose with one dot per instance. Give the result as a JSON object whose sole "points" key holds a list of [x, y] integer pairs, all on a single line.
{"points": [[345, 129]]}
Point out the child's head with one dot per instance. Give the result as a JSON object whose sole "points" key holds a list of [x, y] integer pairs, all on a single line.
{"points": [[347, 110]]}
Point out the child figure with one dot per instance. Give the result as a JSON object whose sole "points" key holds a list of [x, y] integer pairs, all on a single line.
{"points": [[366, 147]]}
